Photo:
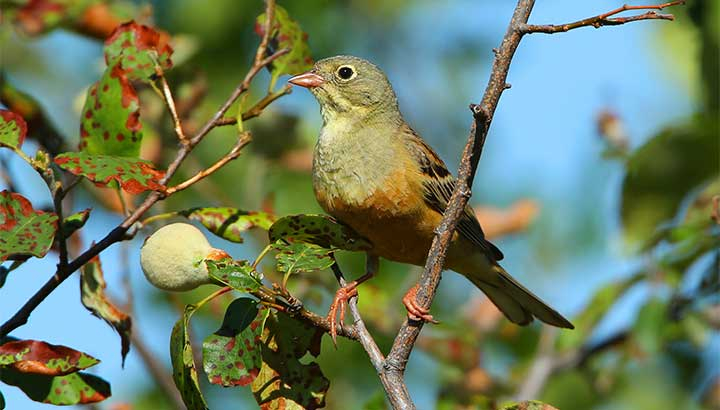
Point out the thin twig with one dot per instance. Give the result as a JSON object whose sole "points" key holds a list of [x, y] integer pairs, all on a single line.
{"points": [[256, 109], [605, 19], [170, 103], [231, 155]]}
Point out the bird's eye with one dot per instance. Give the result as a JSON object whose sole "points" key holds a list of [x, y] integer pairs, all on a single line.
{"points": [[345, 72]]}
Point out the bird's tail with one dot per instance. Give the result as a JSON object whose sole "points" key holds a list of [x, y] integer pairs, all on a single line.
{"points": [[517, 303]]}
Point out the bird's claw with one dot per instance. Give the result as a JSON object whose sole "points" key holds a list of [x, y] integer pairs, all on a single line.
{"points": [[415, 311], [340, 301]]}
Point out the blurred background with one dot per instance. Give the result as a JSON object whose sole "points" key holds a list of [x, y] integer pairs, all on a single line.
{"points": [[596, 182]]}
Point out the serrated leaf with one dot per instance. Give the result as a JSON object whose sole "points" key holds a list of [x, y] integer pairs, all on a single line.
{"points": [[132, 175], [320, 230], [110, 119], [229, 223], [184, 371], [284, 382], [239, 275], [297, 257], [286, 33], [24, 230], [92, 292], [136, 48], [13, 129], [74, 222], [232, 356], [36, 357], [74, 388]]}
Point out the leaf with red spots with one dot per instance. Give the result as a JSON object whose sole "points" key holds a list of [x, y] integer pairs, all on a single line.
{"points": [[232, 356], [92, 290], [284, 382], [229, 223], [133, 175], [23, 230], [110, 119], [184, 371], [39, 16], [239, 275], [298, 257], [36, 357], [320, 230], [74, 388], [12, 129], [137, 48], [286, 33]]}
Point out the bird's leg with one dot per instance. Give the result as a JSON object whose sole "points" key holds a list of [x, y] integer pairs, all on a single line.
{"points": [[347, 291], [415, 311]]}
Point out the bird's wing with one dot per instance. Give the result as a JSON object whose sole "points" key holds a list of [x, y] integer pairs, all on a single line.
{"points": [[438, 187]]}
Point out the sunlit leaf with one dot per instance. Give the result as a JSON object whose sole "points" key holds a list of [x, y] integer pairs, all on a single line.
{"points": [[286, 33], [239, 275], [232, 355], [110, 120], [284, 381], [94, 298], [229, 223], [320, 230], [528, 405], [184, 371], [74, 388], [36, 357], [23, 230], [74, 222], [12, 129], [136, 48], [298, 257], [132, 175]]}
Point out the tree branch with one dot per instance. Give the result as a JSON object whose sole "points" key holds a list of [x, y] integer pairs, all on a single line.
{"points": [[605, 19]]}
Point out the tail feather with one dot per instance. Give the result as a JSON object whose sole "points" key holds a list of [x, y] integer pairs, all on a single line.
{"points": [[517, 303]]}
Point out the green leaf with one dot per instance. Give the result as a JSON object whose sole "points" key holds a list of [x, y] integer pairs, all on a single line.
{"points": [[239, 275], [35, 17], [36, 357], [320, 230], [298, 257], [74, 222], [229, 223], [232, 355], [662, 172], [286, 33], [184, 371], [133, 175], [12, 129], [110, 121], [94, 298], [75, 388], [24, 230], [285, 382], [136, 48], [528, 405]]}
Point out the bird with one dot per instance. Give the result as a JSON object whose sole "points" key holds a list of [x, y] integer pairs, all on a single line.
{"points": [[375, 174]]}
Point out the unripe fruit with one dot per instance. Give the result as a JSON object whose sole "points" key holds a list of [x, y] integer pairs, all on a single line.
{"points": [[172, 257]]}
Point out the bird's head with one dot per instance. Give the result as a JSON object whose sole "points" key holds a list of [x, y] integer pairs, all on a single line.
{"points": [[347, 84]]}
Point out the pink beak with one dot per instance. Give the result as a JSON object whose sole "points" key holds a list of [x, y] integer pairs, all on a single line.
{"points": [[307, 80]]}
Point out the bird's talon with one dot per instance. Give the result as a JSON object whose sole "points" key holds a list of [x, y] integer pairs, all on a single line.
{"points": [[415, 311], [340, 301]]}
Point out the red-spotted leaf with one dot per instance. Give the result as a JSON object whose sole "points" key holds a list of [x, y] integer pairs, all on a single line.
{"points": [[92, 290], [298, 257], [133, 175], [284, 381], [137, 48], [36, 357], [184, 371], [23, 230], [110, 121], [74, 222], [286, 33], [12, 129], [320, 230], [239, 275], [229, 223], [232, 356], [74, 388], [39, 16]]}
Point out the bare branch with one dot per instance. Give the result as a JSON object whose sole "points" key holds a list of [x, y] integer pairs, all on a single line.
{"points": [[170, 103], [258, 108], [605, 19]]}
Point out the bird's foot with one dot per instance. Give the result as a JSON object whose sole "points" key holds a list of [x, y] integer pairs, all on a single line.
{"points": [[340, 302], [415, 311]]}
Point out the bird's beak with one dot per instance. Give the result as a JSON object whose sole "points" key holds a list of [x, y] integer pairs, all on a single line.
{"points": [[307, 80]]}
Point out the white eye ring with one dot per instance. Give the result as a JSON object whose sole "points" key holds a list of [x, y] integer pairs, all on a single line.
{"points": [[346, 72]]}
